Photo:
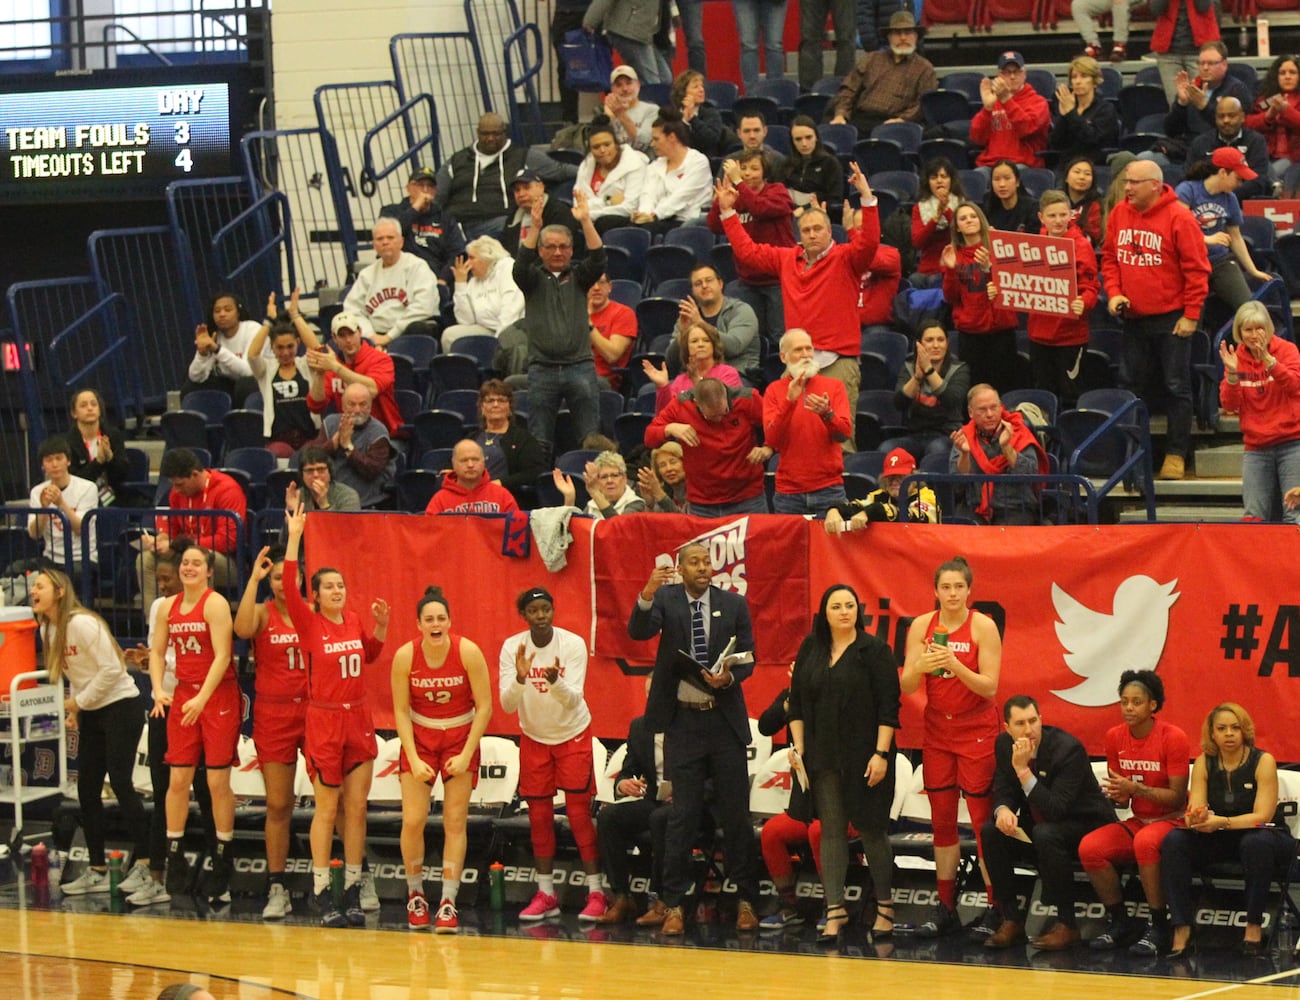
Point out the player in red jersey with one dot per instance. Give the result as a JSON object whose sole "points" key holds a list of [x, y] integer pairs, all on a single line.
{"points": [[1147, 768], [198, 629], [960, 675], [442, 701], [279, 713], [340, 736]]}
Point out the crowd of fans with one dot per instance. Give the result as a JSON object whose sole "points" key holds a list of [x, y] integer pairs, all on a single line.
{"points": [[752, 374]]}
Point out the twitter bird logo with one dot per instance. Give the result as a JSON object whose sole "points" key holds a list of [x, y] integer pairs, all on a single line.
{"points": [[1100, 647]]}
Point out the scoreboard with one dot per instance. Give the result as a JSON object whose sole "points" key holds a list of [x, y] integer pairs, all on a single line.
{"points": [[115, 141]]}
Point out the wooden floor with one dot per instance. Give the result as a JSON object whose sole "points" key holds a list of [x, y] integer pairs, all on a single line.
{"points": [[48, 954]]}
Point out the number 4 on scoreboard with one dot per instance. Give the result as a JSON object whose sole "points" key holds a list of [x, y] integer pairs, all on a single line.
{"points": [[185, 160]]}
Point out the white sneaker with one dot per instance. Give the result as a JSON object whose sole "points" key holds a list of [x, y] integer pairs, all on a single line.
{"points": [[136, 878], [369, 898], [150, 893], [278, 904], [88, 881]]}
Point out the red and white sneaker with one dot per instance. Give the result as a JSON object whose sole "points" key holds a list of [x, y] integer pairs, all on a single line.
{"points": [[446, 921], [417, 912], [597, 904], [543, 905]]}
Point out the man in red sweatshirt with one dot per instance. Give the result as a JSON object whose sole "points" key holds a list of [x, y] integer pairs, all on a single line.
{"points": [[819, 279], [468, 489], [715, 425], [1015, 119], [1156, 274], [352, 362], [805, 417]]}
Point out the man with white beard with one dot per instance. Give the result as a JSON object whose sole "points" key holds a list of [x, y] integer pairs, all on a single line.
{"points": [[805, 418], [886, 85]]}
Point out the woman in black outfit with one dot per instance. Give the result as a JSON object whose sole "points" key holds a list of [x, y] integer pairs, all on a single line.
{"points": [[1232, 815], [513, 456], [708, 133], [843, 712], [931, 394], [99, 451], [811, 170], [1009, 206], [1089, 124]]}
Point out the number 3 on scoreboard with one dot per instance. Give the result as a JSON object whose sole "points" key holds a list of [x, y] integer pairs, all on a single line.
{"points": [[350, 665], [185, 160]]}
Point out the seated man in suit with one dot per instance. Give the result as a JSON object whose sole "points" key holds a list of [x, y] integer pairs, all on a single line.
{"points": [[704, 721], [1045, 799], [626, 821]]}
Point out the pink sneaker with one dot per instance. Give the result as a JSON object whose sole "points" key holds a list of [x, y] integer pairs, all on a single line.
{"points": [[596, 906], [543, 905], [417, 912], [446, 922]]}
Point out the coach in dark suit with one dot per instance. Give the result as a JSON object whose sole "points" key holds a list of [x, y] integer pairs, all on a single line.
{"points": [[705, 723], [1044, 787]]}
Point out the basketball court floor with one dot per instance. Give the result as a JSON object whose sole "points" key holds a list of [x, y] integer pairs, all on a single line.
{"points": [[52, 946]]}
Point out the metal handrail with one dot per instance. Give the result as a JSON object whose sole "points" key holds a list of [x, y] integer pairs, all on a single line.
{"points": [[114, 26], [370, 176]]}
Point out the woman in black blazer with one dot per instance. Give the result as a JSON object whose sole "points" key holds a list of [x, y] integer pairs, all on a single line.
{"points": [[843, 712]]}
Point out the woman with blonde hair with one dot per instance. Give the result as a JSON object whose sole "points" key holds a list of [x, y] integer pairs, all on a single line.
{"points": [[1261, 383], [662, 483], [103, 706], [486, 299]]}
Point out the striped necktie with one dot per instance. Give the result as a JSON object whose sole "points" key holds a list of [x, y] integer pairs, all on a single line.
{"points": [[699, 640]]}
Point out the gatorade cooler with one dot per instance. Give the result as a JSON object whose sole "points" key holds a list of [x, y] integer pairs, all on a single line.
{"points": [[17, 646]]}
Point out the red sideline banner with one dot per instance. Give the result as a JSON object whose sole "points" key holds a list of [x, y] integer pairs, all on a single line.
{"points": [[1079, 605], [762, 558], [1034, 273], [1284, 214]]}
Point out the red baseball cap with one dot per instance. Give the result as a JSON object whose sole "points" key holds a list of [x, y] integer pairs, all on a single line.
{"points": [[899, 462], [1232, 158]]}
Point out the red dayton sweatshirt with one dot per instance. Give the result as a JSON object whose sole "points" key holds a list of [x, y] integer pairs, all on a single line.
{"points": [[1071, 330], [717, 469], [1268, 401], [1156, 259], [823, 298], [1016, 129], [765, 214]]}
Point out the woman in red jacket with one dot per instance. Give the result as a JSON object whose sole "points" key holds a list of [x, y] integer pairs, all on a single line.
{"points": [[1261, 382], [941, 192], [987, 332], [1277, 114]]}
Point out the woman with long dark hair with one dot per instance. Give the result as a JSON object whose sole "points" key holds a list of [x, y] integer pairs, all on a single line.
{"points": [[98, 451], [103, 707], [611, 175], [1009, 206], [1277, 114], [932, 218], [931, 394], [811, 173], [1079, 182], [843, 712], [340, 735]]}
